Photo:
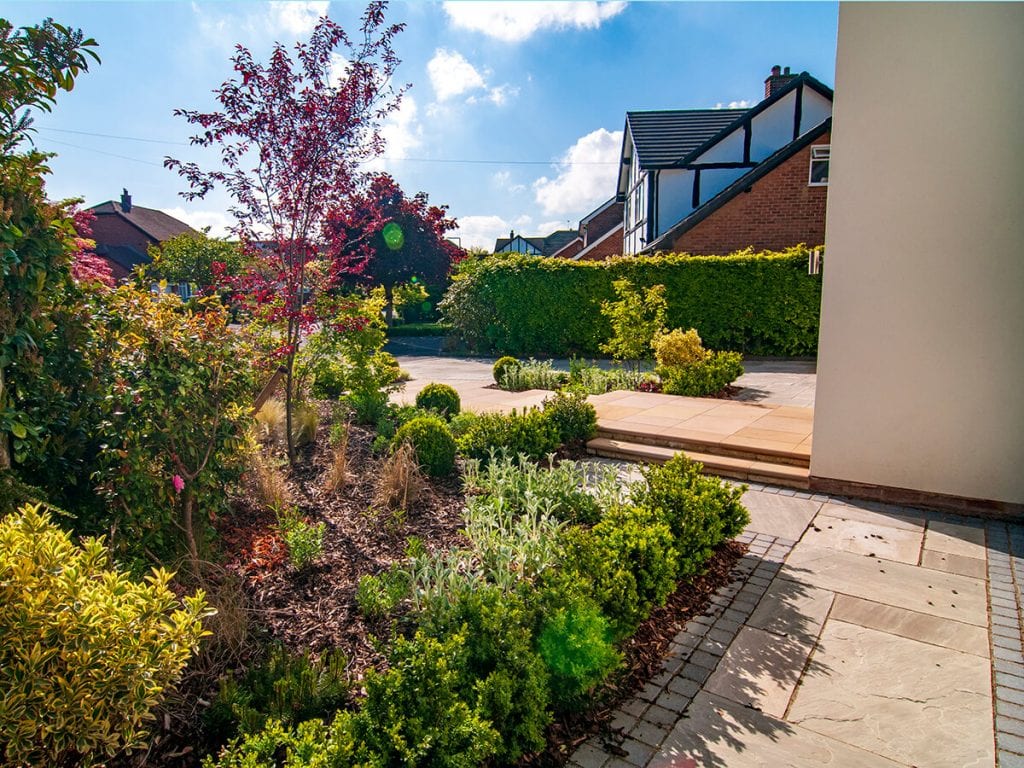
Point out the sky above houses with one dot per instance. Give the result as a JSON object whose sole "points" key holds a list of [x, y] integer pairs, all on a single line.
{"points": [[515, 114]]}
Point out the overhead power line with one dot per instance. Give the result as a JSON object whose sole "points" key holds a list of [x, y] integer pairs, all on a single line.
{"points": [[439, 160]]}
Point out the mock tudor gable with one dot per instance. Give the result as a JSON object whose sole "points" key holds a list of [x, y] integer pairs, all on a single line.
{"points": [[680, 167]]}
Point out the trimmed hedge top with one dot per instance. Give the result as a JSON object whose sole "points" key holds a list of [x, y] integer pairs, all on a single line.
{"points": [[756, 303]]}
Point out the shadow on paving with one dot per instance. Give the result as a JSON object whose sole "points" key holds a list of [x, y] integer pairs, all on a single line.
{"points": [[743, 700]]}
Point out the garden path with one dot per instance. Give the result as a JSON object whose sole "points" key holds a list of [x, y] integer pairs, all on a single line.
{"points": [[853, 634]]}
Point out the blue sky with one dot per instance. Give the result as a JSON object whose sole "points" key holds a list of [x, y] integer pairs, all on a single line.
{"points": [[515, 115]]}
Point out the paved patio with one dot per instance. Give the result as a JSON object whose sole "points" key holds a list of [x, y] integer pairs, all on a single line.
{"points": [[853, 634]]}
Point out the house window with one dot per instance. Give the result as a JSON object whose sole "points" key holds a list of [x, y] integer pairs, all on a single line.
{"points": [[819, 166]]}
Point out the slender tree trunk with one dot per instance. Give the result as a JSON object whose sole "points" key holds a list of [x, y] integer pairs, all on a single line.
{"points": [[289, 398], [5, 439], [389, 307], [187, 503]]}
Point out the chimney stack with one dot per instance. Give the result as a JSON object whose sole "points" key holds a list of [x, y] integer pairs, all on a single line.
{"points": [[776, 81], [126, 201]]}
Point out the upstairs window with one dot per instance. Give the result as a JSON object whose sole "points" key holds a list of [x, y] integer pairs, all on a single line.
{"points": [[819, 166]]}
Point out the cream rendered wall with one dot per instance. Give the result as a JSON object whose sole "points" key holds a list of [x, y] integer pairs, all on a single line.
{"points": [[921, 357]]}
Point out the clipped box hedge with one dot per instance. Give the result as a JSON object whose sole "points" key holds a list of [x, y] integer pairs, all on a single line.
{"points": [[755, 303]]}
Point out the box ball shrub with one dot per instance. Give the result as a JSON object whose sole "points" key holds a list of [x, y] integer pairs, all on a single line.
{"points": [[502, 366], [440, 398], [678, 348], [433, 443], [529, 433], [85, 652], [571, 414]]}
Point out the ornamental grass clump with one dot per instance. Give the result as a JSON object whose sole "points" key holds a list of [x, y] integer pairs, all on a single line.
{"points": [[86, 653]]}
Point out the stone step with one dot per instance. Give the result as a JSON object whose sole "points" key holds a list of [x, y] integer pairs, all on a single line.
{"points": [[732, 467], [738, 448]]}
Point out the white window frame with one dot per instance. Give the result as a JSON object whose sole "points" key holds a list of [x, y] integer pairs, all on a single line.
{"points": [[820, 153]]}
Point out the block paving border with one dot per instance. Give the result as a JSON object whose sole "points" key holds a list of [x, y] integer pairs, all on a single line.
{"points": [[640, 726], [1005, 580]]}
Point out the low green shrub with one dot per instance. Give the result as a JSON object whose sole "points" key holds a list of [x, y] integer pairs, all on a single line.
{"points": [[304, 540], [415, 713], [507, 679], [286, 687], [419, 329], [573, 417], [85, 652], [311, 743], [710, 375], [461, 423], [329, 379], [502, 366], [440, 398], [576, 645], [368, 406], [433, 442], [629, 558], [529, 433], [533, 374], [702, 511], [378, 595]]}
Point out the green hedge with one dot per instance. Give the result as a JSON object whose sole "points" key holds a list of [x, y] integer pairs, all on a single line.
{"points": [[755, 303]]}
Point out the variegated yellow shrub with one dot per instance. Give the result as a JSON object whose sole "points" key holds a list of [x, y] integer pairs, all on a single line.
{"points": [[677, 348], [85, 651]]}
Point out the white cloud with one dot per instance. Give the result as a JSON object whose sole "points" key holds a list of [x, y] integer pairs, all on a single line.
{"points": [[586, 175], [517, 21], [254, 24], [402, 132], [481, 231], [338, 70], [500, 95], [503, 181], [451, 75], [546, 228], [296, 17], [742, 104], [217, 221]]}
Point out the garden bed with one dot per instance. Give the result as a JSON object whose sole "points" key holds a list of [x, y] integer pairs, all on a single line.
{"points": [[316, 610]]}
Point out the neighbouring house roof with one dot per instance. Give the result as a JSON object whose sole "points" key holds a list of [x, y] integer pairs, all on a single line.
{"points": [[576, 241], [744, 182], [662, 137], [547, 246], [156, 225], [597, 211]]}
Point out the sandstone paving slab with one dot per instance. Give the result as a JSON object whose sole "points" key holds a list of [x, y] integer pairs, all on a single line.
{"points": [[761, 669], [718, 733], [954, 635], [865, 539], [793, 609], [946, 595], [955, 539], [915, 703], [903, 519], [783, 516], [950, 563]]}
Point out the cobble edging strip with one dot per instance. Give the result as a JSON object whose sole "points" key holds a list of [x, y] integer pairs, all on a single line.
{"points": [[643, 723], [1005, 579]]}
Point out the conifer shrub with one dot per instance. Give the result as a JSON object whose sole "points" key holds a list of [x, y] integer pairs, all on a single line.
{"points": [[86, 653], [440, 398], [433, 442], [576, 645]]}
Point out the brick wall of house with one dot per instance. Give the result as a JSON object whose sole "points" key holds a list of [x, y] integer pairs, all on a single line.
{"points": [[780, 211], [612, 246], [110, 229], [605, 220]]}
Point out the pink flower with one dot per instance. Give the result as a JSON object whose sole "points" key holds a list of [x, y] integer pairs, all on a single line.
{"points": [[179, 484]]}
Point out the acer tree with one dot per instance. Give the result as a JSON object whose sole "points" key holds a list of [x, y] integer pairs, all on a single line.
{"points": [[292, 135], [406, 238]]}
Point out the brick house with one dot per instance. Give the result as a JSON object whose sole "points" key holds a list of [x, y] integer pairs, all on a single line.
{"points": [[123, 233], [713, 181], [536, 246]]}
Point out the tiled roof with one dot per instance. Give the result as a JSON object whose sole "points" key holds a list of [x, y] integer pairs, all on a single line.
{"points": [[125, 256], [547, 246], [156, 224], [664, 137]]}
